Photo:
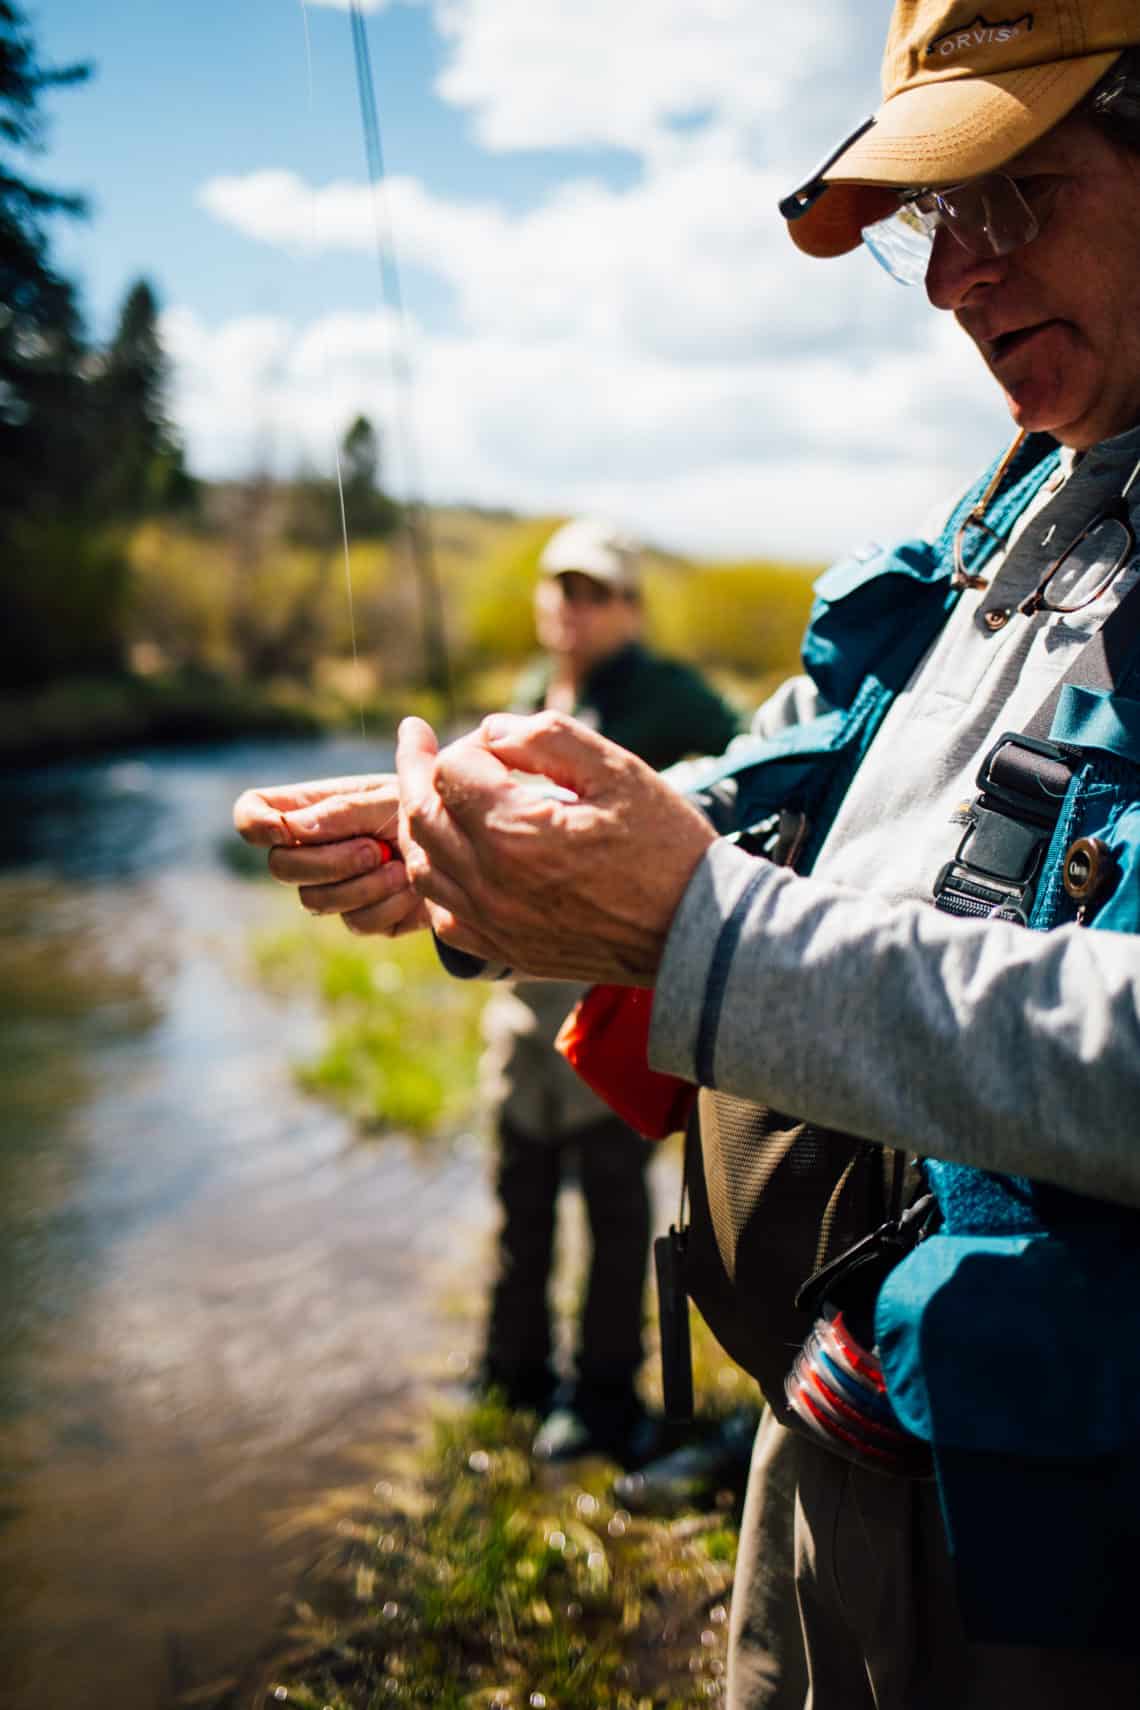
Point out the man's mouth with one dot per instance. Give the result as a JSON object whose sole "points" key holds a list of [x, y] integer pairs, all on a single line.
{"points": [[1000, 348]]}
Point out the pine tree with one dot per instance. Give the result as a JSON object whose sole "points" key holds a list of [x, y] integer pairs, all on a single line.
{"points": [[63, 582], [41, 335], [367, 508], [141, 466]]}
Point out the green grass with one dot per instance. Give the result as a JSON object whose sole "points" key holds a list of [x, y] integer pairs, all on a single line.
{"points": [[403, 1038], [475, 1580], [470, 1578]]}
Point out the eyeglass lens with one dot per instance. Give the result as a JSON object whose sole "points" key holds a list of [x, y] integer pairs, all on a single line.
{"points": [[987, 216], [1086, 567], [581, 590]]}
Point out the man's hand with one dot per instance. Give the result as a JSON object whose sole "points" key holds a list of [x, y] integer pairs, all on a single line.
{"points": [[580, 889], [333, 839]]}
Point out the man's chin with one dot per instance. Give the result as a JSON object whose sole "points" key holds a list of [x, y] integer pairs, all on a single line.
{"points": [[1040, 410]]}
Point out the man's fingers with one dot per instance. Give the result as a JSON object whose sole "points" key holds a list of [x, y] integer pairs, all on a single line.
{"points": [[257, 822], [460, 935], [437, 885], [558, 747], [471, 782], [363, 892], [429, 825], [286, 797], [257, 813], [363, 813], [416, 748], [328, 863], [392, 918]]}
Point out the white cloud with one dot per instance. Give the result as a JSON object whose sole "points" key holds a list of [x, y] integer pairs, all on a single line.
{"points": [[691, 260], [544, 74], [659, 349], [771, 455], [540, 73]]}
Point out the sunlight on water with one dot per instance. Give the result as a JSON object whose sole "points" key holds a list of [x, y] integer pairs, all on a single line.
{"points": [[208, 1290]]}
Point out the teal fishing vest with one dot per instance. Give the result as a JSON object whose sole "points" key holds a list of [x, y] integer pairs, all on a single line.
{"points": [[1008, 1338]]}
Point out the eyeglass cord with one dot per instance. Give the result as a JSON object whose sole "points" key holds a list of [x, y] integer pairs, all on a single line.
{"points": [[977, 518]]}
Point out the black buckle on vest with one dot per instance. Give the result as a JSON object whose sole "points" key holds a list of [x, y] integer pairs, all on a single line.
{"points": [[1022, 784]]}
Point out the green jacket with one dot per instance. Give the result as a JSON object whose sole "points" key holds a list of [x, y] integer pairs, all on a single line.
{"points": [[663, 711], [657, 708]]}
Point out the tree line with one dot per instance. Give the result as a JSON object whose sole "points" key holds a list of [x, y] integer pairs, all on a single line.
{"points": [[87, 446]]}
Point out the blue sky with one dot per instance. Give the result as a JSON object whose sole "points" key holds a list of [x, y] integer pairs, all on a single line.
{"points": [[603, 310]]}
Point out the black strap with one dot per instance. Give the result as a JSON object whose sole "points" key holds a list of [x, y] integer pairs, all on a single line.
{"points": [[1100, 664]]}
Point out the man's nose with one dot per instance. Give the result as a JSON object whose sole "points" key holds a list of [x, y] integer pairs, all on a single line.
{"points": [[953, 272]]}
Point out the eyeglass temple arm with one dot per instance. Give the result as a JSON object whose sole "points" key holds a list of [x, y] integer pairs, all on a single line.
{"points": [[793, 207]]}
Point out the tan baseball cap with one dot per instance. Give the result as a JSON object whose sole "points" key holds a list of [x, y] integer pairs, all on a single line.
{"points": [[594, 547], [963, 92]]}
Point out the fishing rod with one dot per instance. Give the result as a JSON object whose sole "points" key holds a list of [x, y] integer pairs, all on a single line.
{"points": [[421, 548]]}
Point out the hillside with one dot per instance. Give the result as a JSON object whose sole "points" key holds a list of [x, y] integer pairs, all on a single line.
{"points": [[240, 619]]}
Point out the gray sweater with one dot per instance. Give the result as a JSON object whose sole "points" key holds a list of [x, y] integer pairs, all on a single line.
{"points": [[851, 1001]]}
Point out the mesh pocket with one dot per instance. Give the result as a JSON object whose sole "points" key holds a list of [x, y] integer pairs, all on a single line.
{"points": [[771, 1199]]}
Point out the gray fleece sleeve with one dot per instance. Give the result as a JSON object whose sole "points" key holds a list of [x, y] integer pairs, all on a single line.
{"points": [[978, 1042]]}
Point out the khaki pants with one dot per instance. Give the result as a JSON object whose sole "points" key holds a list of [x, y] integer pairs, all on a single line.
{"points": [[767, 1669], [861, 1558]]}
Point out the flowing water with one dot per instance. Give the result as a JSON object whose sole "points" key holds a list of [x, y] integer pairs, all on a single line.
{"points": [[209, 1290]]}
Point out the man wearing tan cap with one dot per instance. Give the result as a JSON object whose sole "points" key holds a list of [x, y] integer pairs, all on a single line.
{"points": [[548, 1125], [936, 975]]}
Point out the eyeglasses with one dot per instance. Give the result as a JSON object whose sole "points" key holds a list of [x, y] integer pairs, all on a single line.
{"points": [[578, 589], [1091, 562], [1080, 574], [986, 216]]}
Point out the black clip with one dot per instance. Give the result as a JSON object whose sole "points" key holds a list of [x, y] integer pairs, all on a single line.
{"points": [[855, 1275], [673, 1320]]}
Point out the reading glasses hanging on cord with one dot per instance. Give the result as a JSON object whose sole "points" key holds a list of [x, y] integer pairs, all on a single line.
{"points": [[1090, 564], [1080, 573]]}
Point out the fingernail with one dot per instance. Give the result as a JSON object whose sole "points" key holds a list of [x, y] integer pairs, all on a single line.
{"points": [[308, 819], [497, 727]]}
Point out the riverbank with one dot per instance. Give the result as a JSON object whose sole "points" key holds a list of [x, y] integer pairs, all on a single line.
{"points": [[86, 716], [466, 1577], [460, 1573]]}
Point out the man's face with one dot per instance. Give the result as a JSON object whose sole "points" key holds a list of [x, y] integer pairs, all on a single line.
{"points": [[583, 620], [1058, 321]]}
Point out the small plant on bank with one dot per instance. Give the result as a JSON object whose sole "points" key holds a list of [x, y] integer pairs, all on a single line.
{"points": [[480, 1582], [403, 1040]]}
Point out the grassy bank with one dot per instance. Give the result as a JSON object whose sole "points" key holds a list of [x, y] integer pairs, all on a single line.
{"points": [[463, 1576], [98, 715], [472, 1580], [402, 1041]]}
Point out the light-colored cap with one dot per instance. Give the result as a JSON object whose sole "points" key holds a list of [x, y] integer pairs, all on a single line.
{"points": [[596, 548], [963, 93]]}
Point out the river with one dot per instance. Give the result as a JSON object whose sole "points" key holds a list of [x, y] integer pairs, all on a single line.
{"points": [[211, 1291]]}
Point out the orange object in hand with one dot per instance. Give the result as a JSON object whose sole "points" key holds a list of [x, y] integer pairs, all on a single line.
{"points": [[387, 850], [605, 1038]]}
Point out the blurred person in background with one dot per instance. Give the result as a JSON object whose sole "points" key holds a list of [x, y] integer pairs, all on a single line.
{"points": [[589, 621], [595, 668]]}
